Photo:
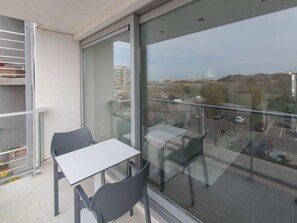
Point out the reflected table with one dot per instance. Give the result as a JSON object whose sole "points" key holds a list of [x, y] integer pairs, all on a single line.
{"points": [[159, 136]]}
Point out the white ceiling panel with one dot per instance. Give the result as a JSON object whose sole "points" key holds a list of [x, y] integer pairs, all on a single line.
{"points": [[69, 16]]}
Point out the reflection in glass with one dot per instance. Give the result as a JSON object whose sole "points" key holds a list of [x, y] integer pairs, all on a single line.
{"points": [[107, 96], [232, 81]]}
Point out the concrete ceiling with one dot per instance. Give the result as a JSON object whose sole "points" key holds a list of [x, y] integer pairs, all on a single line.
{"points": [[82, 18], [78, 17], [207, 14]]}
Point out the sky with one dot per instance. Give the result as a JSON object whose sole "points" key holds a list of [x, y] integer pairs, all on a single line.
{"points": [[121, 53], [264, 44]]}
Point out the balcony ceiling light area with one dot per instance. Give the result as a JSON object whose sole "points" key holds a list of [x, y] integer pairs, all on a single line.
{"points": [[203, 15], [77, 17]]}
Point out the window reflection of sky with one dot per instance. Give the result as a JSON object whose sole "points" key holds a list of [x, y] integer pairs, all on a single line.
{"points": [[265, 44], [121, 53]]}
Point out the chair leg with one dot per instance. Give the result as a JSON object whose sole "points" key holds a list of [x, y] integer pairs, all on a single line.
{"points": [[77, 207], [191, 186], [56, 190], [129, 171], [146, 206], [131, 212]]}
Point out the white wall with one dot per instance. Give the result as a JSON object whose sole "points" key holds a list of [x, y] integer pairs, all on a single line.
{"points": [[57, 83]]}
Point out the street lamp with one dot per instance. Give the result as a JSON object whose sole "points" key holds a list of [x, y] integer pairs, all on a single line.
{"points": [[293, 78], [293, 88]]}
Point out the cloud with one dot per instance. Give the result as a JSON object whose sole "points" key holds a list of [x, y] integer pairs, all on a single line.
{"points": [[211, 74]]}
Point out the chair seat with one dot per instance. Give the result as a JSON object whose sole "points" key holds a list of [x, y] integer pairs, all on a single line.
{"points": [[113, 200], [178, 156]]}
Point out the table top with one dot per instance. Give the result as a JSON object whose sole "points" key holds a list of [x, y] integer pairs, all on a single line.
{"points": [[88, 161], [159, 135]]}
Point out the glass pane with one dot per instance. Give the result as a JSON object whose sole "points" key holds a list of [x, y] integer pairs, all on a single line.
{"points": [[107, 90], [17, 153], [219, 113]]}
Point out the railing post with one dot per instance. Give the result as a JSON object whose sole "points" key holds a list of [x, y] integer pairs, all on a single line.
{"points": [[38, 140], [251, 160]]}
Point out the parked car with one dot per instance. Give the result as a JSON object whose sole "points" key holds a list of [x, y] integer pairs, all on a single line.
{"points": [[266, 143], [258, 151], [157, 120], [277, 155], [179, 124], [169, 123], [261, 127], [288, 123], [239, 119], [232, 118], [263, 149], [219, 117]]}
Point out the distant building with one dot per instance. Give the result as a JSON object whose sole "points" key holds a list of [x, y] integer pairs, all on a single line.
{"points": [[122, 81]]}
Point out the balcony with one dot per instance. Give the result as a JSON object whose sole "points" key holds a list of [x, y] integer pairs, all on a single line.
{"points": [[244, 185], [27, 180], [250, 155], [30, 199]]}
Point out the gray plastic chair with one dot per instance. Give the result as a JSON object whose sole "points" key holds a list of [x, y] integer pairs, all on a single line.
{"points": [[66, 142], [186, 154], [111, 201]]}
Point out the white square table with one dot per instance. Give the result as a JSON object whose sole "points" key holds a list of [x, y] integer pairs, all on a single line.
{"points": [[91, 160]]}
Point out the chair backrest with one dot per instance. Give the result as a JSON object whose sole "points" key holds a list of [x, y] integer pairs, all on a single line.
{"points": [[113, 200], [64, 142], [194, 146]]}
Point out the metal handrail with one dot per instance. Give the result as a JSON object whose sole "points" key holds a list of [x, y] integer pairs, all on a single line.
{"points": [[13, 160], [250, 112], [13, 150], [228, 108], [34, 157], [39, 110]]}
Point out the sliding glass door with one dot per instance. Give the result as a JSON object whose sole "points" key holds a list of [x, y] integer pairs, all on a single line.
{"points": [[219, 110], [107, 88]]}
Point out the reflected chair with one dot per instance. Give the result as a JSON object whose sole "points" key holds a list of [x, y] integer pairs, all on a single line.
{"points": [[191, 148], [111, 201], [65, 142]]}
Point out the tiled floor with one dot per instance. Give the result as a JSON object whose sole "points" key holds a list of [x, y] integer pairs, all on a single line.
{"points": [[30, 200], [233, 198]]}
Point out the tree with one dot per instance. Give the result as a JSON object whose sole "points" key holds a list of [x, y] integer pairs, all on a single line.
{"points": [[257, 96], [213, 94]]}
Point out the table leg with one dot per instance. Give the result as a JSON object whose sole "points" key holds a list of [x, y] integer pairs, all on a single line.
{"points": [[99, 180], [161, 169]]}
